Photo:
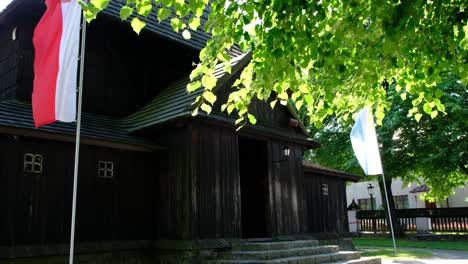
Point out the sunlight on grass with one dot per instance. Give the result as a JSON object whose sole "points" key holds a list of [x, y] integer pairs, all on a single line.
{"points": [[401, 253], [386, 242]]}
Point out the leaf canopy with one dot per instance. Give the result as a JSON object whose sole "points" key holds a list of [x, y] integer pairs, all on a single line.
{"points": [[333, 56]]}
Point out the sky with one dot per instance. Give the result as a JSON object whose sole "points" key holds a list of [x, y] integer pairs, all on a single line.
{"points": [[4, 3]]}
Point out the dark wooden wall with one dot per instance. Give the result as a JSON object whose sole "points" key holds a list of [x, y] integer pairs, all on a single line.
{"points": [[215, 185], [215, 182], [286, 191], [325, 213], [172, 198], [36, 208]]}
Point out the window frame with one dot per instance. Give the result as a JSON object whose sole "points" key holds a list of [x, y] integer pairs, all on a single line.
{"points": [[33, 163], [105, 169], [325, 189]]}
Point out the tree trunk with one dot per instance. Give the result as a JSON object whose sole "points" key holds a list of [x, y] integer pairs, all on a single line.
{"points": [[396, 225]]}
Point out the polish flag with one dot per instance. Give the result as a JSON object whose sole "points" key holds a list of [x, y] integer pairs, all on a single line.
{"points": [[56, 43]]}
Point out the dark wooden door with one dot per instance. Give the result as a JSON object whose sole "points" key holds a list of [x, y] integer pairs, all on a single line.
{"points": [[254, 188]]}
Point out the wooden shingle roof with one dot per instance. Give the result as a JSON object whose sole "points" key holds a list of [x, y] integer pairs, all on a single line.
{"points": [[316, 168], [18, 115], [174, 101]]}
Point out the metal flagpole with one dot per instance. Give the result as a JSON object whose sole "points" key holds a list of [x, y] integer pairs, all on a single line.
{"points": [[388, 209], [78, 132]]}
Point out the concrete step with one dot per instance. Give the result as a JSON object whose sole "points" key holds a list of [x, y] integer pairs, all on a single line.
{"points": [[362, 260], [267, 246], [274, 254], [316, 259]]}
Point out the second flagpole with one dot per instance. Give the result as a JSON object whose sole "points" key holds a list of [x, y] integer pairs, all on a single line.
{"points": [[77, 141]]}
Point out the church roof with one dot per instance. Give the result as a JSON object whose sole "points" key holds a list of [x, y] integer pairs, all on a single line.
{"points": [[18, 115], [314, 167]]}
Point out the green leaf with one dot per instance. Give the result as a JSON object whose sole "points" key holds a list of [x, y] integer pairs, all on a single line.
{"points": [[186, 34], [252, 119], [197, 7], [427, 108], [209, 82], [224, 57], [89, 11], [125, 12], [438, 93], [137, 25], [273, 103], [206, 108], [167, 3], [209, 96], [100, 4], [144, 7], [192, 86], [194, 23], [230, 108], [177, 24], [299, 104], [227, 68], [163, 13], [434, 114], [195, 112], [417, 117]]}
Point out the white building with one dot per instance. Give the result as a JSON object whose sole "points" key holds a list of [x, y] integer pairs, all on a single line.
{"points": [[404, 196]]}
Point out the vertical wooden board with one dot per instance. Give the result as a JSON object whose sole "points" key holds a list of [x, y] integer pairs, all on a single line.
{"points": [[271, 190], [295, 157], [235, 179], [277, 189], [194, 179], [11, 162]]}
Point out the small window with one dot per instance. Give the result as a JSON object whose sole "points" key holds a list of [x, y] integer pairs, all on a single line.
{"points": [[32, 163], [325, 189], [106, 169]]}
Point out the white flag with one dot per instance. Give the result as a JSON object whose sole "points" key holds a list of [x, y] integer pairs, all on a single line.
{"points": [[364, 141]]}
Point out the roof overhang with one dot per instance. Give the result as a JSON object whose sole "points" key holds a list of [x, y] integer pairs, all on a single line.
{"points": [[315, 168]]}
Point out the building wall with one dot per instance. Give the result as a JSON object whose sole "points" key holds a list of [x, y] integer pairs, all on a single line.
{"points": [[326, 212], [36, 207], [358, 191]]}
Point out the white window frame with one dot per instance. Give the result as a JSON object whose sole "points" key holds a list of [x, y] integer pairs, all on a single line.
{"points": [[33, 163], [324, 189], [105, 169]]}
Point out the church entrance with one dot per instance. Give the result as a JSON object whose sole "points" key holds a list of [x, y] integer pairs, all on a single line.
{"points": [[254, 188]]}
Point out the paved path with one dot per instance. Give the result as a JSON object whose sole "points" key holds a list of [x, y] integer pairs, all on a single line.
{"points": [[438, 257]]}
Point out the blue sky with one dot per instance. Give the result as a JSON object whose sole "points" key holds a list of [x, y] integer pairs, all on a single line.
{"points": [[4, 3]]}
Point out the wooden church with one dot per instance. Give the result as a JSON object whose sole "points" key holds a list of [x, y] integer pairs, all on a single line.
{"points": [[152, 178]]}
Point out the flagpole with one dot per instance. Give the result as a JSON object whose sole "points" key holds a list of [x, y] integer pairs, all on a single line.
{"points": [[389, 213], [77, 141]]}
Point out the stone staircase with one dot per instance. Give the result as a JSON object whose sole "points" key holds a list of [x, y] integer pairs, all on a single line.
{"points": [[288, 252]]}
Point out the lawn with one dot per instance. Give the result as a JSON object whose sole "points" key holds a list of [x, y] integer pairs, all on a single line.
{"points": [[386, 242], [401, 253]]}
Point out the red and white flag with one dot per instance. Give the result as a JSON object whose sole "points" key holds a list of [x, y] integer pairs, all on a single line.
{"points": [[56, 44]]}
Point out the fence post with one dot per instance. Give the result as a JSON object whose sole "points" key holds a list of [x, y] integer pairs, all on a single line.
{"points": [[422, 225]]}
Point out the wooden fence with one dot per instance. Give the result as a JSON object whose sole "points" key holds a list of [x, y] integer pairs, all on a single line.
{"points": [[441, 219]]}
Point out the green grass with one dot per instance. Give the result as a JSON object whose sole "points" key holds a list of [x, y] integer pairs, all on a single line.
{"points": [[401, 253], [386, 242]]}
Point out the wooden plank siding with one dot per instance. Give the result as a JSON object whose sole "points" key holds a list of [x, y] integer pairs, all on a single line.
{"points": [[215, 183], [286, 201], [37, 207], [325, 213], [172, 172]]}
